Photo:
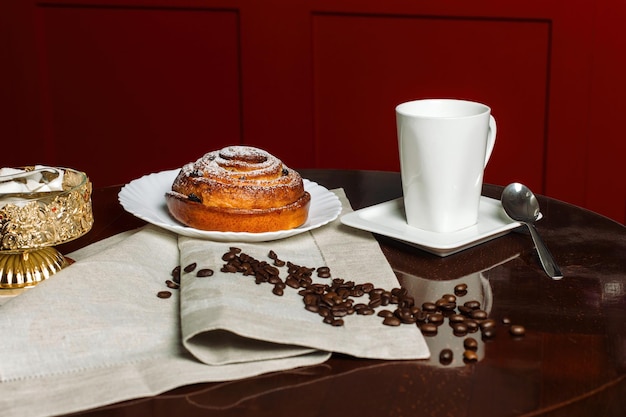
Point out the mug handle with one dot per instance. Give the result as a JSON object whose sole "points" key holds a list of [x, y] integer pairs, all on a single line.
{"points": [[491, 138]]}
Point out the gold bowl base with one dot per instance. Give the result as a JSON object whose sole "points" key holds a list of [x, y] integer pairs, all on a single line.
{"points": [[26, 268]]}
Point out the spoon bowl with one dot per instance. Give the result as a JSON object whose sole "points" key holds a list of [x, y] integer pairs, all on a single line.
{"points": [[521, 205]]}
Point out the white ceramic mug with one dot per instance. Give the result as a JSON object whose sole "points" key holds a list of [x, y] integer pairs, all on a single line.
{"points": [[444, 146]]}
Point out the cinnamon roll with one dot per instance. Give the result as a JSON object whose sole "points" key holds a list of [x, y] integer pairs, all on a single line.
{"points": [[239, 189]]}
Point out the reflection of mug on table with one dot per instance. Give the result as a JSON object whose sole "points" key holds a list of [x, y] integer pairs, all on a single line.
{"points": [[444, 145]]}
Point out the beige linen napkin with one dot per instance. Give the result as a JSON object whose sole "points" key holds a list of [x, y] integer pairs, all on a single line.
{"points": [[230, 310], [96, 333]]}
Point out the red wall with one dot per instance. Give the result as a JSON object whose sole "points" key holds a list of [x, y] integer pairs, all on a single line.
{"points": [[121, 88]]}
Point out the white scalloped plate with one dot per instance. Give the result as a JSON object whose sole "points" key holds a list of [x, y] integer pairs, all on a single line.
{"points": [[145, 198]]}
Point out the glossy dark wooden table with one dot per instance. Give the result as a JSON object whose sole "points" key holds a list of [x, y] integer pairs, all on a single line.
{"points": [[570, 362]]}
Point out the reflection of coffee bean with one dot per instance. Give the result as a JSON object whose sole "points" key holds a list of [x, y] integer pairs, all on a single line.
{"points": [[517, 330], [470, 356]]}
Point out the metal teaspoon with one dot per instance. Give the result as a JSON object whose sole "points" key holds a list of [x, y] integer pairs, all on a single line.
{"points": [[521, 205]]}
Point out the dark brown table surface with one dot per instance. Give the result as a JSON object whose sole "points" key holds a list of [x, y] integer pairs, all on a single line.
{"points": [[570, 362]]}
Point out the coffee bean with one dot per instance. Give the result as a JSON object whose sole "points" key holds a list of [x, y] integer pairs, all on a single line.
{"points": [[385, 313], [446, 356], [164, 294], [366, 311], [449, 298], [435, 318], [517, 330], [392, 321], [172, 284], [473, 304], [272, 255], [456, 318], [466, 311], [470, 344], [176, 274], [323, 272], [479, 314], [429, 307], [337, 322], [203, 273], [472, 325], [367, 287], [190, 267], [278, 290], [428, 329], [460, 289], [506, 320], [459, 329], [229, 256]]}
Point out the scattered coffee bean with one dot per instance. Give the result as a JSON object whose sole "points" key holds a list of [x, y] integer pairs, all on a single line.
{"points": [[205, 272], [517, 330], [449, 298], [459, 329], [171, 284], [278, 290], [506, 320], [456, 318], [470, 344], [479, 314], [190, 267], [392, 321], [472, 325], [460, 290], [323, 272], [176, 274], [435, 318], [446, 356], [164, 294], [385, 313], [429, 307], [335, 300], [428, 329]]}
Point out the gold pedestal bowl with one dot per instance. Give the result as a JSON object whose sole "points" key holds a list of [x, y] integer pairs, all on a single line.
{"points": [[32, 223]]}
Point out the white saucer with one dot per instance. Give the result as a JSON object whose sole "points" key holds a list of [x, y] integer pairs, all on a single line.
{"points": [[145, 198], [388, 219]]}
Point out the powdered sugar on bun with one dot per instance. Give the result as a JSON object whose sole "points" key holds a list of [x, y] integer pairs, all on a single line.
{"points": [[244, 184]]}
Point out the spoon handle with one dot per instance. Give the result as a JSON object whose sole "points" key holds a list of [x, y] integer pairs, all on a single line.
{"points": [[547, 261]]}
